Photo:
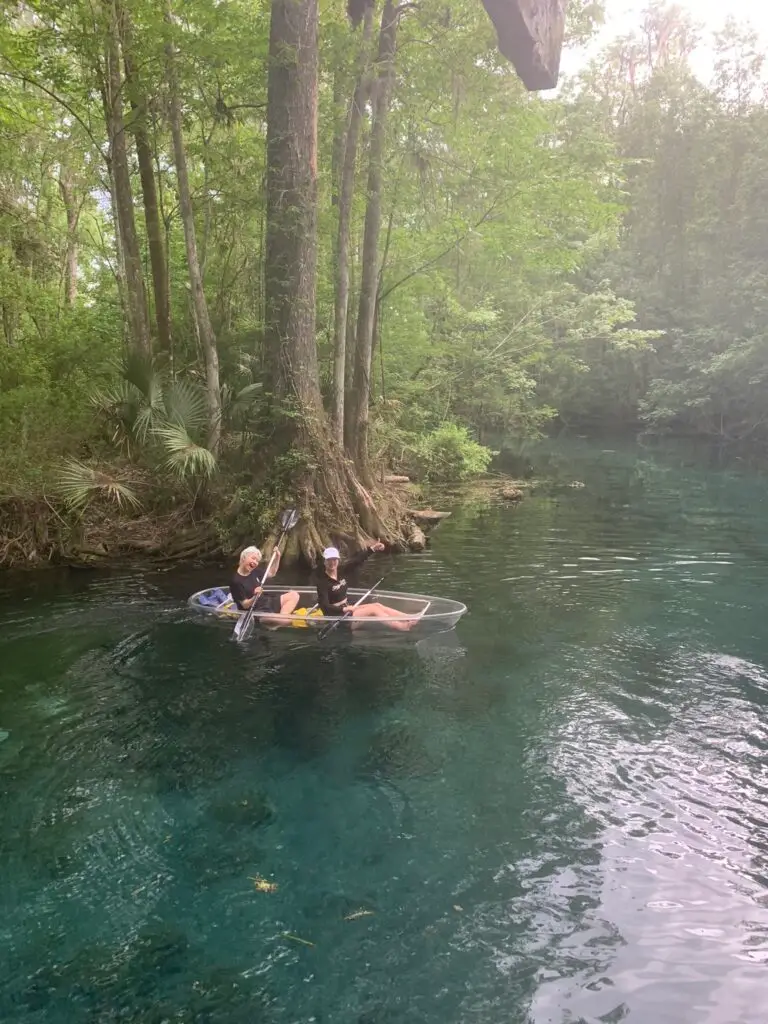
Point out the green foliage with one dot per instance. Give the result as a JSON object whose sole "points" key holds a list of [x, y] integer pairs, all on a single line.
{"points": [[595, 257], [692, 257], [250, 512], [78, 485], [45, 381], [447, 454], [133, 403], [143, 408], [185, 458]]}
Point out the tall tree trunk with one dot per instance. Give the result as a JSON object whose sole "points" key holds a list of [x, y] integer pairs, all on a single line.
{"points": [[349, 367], [356, 429], [291, 242], [135, 295], [9, 321], [72, 211], [339, 130], [138, 124], [345, 199], [333, 502], [207, 337], [119, 262]]}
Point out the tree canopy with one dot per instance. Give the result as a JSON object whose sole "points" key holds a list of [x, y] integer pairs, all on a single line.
{"points": [[486, 260]]}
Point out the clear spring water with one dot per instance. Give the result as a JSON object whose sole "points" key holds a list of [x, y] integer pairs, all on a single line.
{"points": [[567, 823]]}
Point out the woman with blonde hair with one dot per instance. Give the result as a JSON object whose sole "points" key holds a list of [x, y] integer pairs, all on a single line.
{"points": [[247, 585]]}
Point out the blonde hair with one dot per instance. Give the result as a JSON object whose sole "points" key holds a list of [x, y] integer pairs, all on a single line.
{"points": [[247, 552]]}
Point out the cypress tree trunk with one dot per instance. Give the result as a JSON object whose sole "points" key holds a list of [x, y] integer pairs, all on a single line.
{"points": [[291, 237], [135, 294], [334, 504], [356, 431], [202, 317]]}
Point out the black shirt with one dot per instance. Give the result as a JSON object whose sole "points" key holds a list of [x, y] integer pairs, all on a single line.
{"points": [[242, 587], [331, 593]]}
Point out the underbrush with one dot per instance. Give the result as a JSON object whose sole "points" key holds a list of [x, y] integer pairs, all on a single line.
{"points": [[447, 453]]}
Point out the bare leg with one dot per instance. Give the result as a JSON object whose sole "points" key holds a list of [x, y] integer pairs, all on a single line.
{"points": [[380, 611], [288, 603]]}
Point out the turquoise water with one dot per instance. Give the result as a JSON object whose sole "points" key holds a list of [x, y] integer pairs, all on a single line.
{"points": [[561, 819]]}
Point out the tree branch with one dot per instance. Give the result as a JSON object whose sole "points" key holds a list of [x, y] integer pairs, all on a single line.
{"points": [[436, 259], [19, 76]]}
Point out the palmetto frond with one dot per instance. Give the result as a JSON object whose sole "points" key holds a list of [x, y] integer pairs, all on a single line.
{"points": [[248, 363], [140, 370], [185, 458], [78, 484], [185, 406], [239, 406], [120, 405], [134, 404]]}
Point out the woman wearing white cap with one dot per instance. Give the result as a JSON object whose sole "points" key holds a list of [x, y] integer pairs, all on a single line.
{"points": [[332, 589]]}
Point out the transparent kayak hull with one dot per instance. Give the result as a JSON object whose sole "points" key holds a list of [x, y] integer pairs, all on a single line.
{"points": [[425, 614]]}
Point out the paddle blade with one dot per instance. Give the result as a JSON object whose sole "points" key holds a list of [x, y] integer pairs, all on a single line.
{"points": [[242, 627], [289, 518]]}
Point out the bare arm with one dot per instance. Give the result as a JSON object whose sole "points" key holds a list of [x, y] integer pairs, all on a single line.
{"points": [[273, 566]]}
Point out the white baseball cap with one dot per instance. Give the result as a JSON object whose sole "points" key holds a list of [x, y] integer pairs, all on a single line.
{"points": [[331, 553]]}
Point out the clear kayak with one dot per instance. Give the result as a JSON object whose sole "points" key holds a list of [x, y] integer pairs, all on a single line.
{"points": [[426, 614]]}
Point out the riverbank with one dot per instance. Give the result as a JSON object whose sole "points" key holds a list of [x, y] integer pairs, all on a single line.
{"points": [[37, 532]]}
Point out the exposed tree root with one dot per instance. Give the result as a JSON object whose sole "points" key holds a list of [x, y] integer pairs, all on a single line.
{"points": [[334, 506], [30, 532], [35, 532], [337, 509]]}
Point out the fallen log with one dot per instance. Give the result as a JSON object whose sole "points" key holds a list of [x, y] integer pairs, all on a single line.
{"points": [[427, 516], [417, 540], [511, 494]]}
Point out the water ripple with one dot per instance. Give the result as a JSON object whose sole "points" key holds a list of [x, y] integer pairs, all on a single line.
{"points": [[563, 819]]}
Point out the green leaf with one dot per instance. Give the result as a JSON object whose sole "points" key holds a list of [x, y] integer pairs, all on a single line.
{"points": [[185, 405], [185, 459], [78, 485]]}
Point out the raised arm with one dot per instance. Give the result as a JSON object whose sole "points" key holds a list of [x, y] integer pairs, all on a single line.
{"points": [[360, 556], [273, 567]]}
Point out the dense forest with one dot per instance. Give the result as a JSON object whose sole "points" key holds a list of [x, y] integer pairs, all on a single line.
{"points": [[253, 253]]}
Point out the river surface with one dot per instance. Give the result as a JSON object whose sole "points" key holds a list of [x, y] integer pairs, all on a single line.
{"points": [[563, 818]]}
